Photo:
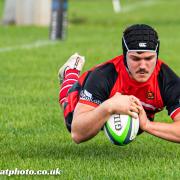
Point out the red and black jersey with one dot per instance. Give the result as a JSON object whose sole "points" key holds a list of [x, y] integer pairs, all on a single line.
{"points": [[100, 83]]}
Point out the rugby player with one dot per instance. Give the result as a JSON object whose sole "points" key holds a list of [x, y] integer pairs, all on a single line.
{"points": [[136, 81]]}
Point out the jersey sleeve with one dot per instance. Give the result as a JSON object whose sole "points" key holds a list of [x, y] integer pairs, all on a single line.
{"points": [[98, 85], [170, 90]]}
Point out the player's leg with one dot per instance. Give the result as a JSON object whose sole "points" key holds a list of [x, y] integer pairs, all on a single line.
{"points": [[68, 74]]}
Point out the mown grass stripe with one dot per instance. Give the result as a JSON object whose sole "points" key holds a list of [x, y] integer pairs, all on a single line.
{"points": [[36, 44]]}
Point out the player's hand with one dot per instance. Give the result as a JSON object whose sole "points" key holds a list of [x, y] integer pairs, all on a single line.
{"points": [[143, 120], [124, 104]]}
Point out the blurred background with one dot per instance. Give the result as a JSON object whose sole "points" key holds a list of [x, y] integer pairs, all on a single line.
{"points": [[36, 38]]}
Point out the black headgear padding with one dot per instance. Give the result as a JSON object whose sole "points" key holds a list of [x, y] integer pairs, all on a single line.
{"points": [[140, 37]]}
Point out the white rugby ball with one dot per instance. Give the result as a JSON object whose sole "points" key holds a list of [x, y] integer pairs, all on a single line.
{"points": [[121, 129]]}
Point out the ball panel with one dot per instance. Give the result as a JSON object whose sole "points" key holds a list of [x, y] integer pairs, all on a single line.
{"points": [[110, 137], [128, 137], [118, 123], [119, 135], [135, 128]]}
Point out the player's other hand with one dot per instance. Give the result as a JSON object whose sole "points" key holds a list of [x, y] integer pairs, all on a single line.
{"points": [[124, 104], [143, 120]]}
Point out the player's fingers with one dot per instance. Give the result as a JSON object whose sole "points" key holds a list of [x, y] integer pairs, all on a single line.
{"points": [[135, 105], [141, 110], [133, 114], [135, 100], [134, 109]]}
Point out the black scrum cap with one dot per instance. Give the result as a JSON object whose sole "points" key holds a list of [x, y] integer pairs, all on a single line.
{"points": [[140, 37]]}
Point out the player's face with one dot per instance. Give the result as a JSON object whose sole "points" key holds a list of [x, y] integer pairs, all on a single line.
{"points": [[141, 65]]}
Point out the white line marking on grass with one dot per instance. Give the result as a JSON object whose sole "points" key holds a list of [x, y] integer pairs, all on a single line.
{"points": [[138, 5], [36, 44]]}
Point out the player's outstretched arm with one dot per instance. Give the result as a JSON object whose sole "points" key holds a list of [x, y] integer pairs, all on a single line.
{"points": [[88, 120], [167, 131]]}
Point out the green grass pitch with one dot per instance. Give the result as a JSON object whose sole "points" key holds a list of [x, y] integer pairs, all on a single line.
{"points": [[32, 130]]}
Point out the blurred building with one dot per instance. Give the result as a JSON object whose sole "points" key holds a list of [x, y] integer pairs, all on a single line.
{"points": [[27, 12]]}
